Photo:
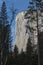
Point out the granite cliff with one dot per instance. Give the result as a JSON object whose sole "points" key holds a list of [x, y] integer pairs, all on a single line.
{"points": [[20, 31]]}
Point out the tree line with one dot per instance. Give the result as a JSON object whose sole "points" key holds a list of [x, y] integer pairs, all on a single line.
{"points": [[24, 58], [5, 34]]}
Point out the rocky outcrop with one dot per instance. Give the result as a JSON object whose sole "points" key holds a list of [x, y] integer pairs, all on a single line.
{"points": [[20, 31], [21, 36]]}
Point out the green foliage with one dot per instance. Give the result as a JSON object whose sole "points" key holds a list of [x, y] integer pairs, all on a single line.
{"points": [[10, 60], [24, 58], [35, 59], [29, 52], [4, 14], [5, 34], [35, 6], [21, 58], [15, 51], [41, 47], [29, 47]]}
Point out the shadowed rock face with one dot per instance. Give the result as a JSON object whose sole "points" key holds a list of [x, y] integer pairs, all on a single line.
{"points": [[20, 31]]}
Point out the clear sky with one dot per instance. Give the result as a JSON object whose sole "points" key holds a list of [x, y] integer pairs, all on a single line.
{"points": [[17, 4], [20, 4]]}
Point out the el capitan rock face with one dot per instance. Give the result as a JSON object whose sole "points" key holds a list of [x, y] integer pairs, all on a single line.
{"points": [[21, 36], [20, 31]]}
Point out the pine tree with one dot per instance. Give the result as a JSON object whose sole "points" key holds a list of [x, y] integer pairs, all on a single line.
{"points": [[1, 41], [41, 47], [21, 58], [30, 16], [39, 6], [16, 55], [29, 47], [5, 42], [4, 13], [5, 35], [15, 51], [35, 59], [35, 5], [29, 51]]}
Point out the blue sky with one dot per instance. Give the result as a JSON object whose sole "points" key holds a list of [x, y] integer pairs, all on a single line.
{"points": [[17, 4], [20, 4]]}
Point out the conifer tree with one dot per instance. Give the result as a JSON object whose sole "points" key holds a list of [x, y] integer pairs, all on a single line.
{"points": [[15, 51], [41, 47], [5, 35], [21, 58], [39, 6], [16, 55], [1, 41], [4, 13], [35, 5], [29, 51]]}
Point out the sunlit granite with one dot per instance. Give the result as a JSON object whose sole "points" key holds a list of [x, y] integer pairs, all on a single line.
{"points": [[20, 30]]}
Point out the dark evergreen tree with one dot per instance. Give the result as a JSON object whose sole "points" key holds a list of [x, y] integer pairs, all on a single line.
{"points": [[35, 59], [35, 5], [41, 47], [29, 46], [30, 16], [15, 51], [21, 58], [4, 13], [6, 42], [1, 41], [15, 55], [29, 52], [5, 35], [39, 6]]}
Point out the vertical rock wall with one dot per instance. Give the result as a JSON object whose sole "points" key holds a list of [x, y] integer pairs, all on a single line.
{"points": [[20, 31], [21, 35]]}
